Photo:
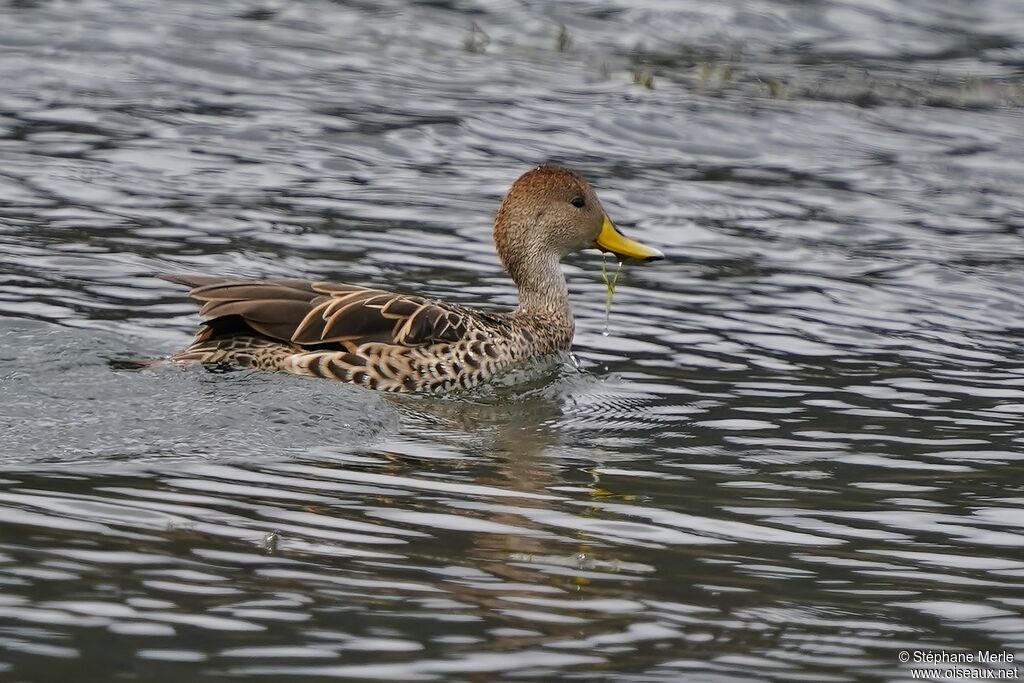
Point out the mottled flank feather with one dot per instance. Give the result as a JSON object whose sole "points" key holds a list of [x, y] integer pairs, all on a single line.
{"points": [[380, 340]]}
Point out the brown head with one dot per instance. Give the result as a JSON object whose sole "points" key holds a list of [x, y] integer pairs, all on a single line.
{"points": [[549, 213]]}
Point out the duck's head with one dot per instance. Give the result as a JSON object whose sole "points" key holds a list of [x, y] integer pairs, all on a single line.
{"points": [[551, 212]]}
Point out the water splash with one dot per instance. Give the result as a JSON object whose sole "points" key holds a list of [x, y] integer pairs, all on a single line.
{"points": [[610, 284]]}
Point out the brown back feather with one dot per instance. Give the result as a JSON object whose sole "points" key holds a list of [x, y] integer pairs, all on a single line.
{"points": [[318, 313]]}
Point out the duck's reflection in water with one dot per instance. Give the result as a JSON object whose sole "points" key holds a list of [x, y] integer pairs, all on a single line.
{"points": [[530, 567]]}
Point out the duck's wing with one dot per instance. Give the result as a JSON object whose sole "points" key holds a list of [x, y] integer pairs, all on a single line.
{"points": [[316, 313]]}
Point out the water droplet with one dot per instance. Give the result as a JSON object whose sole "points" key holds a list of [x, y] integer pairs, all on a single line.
{"points": [[270, 541]]}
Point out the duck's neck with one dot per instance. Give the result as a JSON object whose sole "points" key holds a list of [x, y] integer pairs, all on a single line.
{"points": [[542, 290]]}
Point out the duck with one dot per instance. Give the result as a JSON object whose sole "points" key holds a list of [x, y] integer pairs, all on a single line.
{"points": [[410, 343]]}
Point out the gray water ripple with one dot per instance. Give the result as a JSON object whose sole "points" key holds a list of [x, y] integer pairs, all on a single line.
{"points": [[794, 454]]}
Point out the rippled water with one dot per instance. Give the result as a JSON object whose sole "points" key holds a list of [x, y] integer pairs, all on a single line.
{"points": [[797, 453]]}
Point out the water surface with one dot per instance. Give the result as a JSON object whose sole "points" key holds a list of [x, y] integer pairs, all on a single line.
{"points": [[797, 452]]}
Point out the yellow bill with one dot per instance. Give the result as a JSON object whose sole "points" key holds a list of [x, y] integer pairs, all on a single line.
{"points": [[613, 241]]}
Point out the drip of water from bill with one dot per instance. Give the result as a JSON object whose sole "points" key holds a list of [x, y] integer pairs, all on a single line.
{"points": [[609, 282]]}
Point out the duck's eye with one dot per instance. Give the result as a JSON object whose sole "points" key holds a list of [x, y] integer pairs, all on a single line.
{"points": [[578, 202]]}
